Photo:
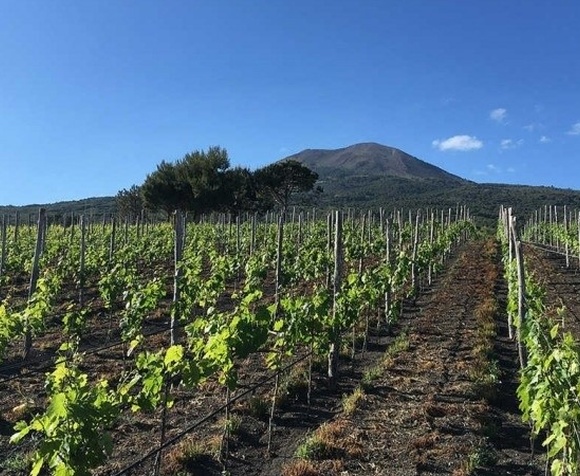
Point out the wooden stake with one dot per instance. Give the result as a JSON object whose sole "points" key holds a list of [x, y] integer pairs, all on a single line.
{"points": [[34, 279]]}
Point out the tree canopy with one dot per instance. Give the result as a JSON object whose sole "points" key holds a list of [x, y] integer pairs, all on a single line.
{"points": [[281, 180], [202, 182], [129, 202]]}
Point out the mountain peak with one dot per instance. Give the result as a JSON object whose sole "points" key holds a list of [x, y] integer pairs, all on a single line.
{"points": [[370, 159]]}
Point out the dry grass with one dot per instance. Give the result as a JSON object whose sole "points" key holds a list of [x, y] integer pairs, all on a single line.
{"points": [[191, 451], [300, 467], [332, 440], [426, 441]]}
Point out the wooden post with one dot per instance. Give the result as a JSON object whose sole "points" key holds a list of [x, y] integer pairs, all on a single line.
{"points": [[556, 225], [277, 304], [400, 223], [253, 234], [387, 296], [300, 225], [3, 246], [112, 239], [509, 232], [34, 279], [566, 240], [72, 228], [82, 263], [328, 248], [280, 239], [414, 255], [578, 238], [334, 350], [550, 227], [521, 299], [177, 255], [16, 226], [431, 239]]}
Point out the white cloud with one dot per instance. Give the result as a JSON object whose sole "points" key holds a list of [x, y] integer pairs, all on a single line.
{"points": [[460, 142], [492, 169], [534, 126], [545, 139], [498, 115], [574, 130], [506, 144]]}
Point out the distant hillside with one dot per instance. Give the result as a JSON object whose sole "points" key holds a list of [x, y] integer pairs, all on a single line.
{"points": [[370, 159], [90, 207], [372, 176]]}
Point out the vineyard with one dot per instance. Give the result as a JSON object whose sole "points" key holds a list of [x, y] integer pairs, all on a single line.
{"points": [[401, 342]]}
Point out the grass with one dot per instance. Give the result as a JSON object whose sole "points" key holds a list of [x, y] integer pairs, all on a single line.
{"points": [[370, 376], [312, 448], [258, 407], [233, 425], [293, 386], [325, 443], [485, 372], [331, 440], [480, 457], [193, 451], [400, 344], [351, 402], [300, 467]]}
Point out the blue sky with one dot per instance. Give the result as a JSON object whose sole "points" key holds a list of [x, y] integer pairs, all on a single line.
{"points": [[95, 93]]}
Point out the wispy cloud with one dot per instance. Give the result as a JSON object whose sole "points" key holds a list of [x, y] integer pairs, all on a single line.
{"points": [[447, 101], [545, 139], [498, 115], [492, 169], [534, 126], [460, 142], [506, 144], [574, 130]]}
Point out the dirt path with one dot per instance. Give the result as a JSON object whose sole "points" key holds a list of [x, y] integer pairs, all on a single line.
{"points": [[426, 415]]}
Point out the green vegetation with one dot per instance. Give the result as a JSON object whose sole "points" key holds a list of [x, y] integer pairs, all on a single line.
{"points": [[129, 273], [549, 388]]}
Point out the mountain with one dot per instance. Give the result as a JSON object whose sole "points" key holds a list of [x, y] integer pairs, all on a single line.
{"points": [[370, 159], [371, 175]]}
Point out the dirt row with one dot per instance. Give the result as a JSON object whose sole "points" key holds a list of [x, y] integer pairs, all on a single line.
{"points": [[427, 414]]}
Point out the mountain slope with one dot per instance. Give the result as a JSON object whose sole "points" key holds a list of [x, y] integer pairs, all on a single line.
{"points": [[370, 159], [371, 175]]}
